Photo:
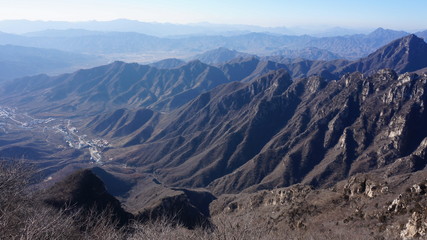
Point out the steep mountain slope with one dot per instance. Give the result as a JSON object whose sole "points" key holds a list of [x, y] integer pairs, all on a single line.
{"points": [[328, 140], [115, 85], [403, 55], [275, 132]]}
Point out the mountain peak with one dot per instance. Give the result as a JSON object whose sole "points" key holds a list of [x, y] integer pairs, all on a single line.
{"points": [[222, 49], [408, 53], [405, 54], [385, 33], [412, 38], [195, 64], [220, 55], [168, 63], [378, 30], [410, 42]]}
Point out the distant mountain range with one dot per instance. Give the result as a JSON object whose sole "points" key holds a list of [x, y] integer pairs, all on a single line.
{"points": [[122, 44], [310, 53], [169, 87], [33, 53], [168, 63], [219, 55], [17, 61], [422, 34], [165, 29], [42, 59], [223, 55]]}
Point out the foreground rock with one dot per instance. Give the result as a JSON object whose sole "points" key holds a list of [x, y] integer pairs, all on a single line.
{"points": [[367, 206]]}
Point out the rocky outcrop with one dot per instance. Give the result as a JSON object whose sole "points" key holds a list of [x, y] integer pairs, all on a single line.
{"points": [[366, 206], [416, 228], [361, 184], [348, 127]]}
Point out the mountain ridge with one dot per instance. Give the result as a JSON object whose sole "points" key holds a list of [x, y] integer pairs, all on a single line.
{"points": [[403, 55], [221, 136], [130, 85], [219, 55]]}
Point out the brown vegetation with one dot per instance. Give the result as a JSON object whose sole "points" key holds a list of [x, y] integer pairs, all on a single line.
{"points": [[23, 216], [359, 208]]}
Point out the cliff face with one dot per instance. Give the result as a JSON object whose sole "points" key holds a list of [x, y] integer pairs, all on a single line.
{"points": [[353, 125], [274, 132]]}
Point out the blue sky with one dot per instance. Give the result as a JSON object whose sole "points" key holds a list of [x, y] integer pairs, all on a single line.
{"points": [[395, 14]]}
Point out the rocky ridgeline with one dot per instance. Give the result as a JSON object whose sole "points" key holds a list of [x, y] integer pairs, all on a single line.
{"points": [[366, 206]]}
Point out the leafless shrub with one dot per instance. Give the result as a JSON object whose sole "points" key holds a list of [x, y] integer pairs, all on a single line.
{"points": [[14, 201], [163, 228], [22, 216], [100, 226], [14, 178], [247, 227], [46, 223], [226, 228]]}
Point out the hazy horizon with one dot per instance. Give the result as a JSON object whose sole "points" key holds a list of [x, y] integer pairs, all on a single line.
{"points": [[25, 26], [364, 14]]}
